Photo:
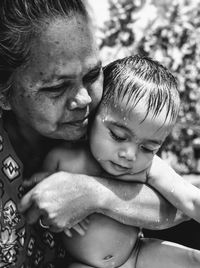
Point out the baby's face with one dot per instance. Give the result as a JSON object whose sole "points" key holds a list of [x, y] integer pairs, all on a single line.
{"points": [[124, 143]]}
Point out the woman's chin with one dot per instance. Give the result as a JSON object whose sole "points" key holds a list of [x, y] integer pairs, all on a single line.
{"points": [[67, 135]]}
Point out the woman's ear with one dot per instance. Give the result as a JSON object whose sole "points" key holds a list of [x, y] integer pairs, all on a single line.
{"points": [[4, 98]]}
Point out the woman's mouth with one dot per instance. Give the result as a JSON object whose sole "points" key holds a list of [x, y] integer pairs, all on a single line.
{"points": [[78, 123]]}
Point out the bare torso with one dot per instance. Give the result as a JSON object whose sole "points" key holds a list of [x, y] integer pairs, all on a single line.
{"points": [[107, 243]]}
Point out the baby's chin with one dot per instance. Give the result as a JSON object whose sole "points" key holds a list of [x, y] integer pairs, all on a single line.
{"points": [[122, 176], [125, 177], [139, 176]]}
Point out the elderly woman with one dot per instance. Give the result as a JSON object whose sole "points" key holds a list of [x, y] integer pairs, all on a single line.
{"points": [[50, 83]]}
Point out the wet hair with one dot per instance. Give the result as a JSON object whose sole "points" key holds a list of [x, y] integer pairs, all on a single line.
{"points": [[139, 77], [21, 21]]}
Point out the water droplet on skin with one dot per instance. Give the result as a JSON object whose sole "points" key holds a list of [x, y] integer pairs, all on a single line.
{"points": [[172, 190], [108, 257]]}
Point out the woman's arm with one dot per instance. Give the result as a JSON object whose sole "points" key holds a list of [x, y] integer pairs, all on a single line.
{"points": [[139, 205], [181, 193], [65, 199]]}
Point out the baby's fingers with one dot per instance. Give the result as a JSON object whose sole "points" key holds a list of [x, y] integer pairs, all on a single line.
{"points": [[84, 224], [79, 229], [68, 232]]}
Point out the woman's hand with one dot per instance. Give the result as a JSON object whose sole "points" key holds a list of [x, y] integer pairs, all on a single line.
{"points": [[62, 200]]}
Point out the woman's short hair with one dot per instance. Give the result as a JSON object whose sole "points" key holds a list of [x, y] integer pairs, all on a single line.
{"points": [[20, 21]]}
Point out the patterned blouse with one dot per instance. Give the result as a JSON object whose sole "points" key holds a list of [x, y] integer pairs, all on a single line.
{"points": [[22, 245]]}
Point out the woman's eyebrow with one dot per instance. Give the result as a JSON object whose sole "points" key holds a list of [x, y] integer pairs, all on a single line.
{"points": [[56, 80]]}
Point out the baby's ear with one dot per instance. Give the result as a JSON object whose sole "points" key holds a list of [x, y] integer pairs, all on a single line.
{"points": [[4, 98]]}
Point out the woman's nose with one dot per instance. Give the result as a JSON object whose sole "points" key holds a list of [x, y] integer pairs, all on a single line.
{"points": [[129, 153], [81, 100]]}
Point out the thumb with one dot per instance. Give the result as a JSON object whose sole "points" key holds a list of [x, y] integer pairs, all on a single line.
{"points": [[26, 202], [35, 179]]}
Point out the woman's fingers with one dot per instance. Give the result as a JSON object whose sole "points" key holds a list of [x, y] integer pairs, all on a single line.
{"points": [[61, 199], [28, 200]]}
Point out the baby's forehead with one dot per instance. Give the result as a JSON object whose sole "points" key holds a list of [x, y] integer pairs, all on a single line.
{"points": [[142, 129], [128, 106], [140, 114]]}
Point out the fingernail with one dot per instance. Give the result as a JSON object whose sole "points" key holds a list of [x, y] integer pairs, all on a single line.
{"points": [[68, 232], [82, 232]]}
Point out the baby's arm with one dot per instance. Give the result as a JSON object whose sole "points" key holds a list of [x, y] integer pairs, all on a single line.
{"points": [[174, 188]]}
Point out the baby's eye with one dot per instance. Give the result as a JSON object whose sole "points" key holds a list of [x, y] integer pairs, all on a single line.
{"points": [[148, 150], [116, 137]]}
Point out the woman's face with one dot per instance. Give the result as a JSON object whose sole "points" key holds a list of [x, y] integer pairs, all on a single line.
{"points": [[54, 92]]}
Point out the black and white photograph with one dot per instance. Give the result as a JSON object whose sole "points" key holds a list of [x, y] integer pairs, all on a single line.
{"points": [[99, 134]]}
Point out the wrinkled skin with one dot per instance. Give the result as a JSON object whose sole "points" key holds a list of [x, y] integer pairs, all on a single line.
{"points": [[56, 90], [62, 213]]}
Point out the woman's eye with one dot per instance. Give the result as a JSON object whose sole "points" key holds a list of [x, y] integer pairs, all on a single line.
{"points": [[56, 91], [53, 89], [92, 76], [117, 137]]}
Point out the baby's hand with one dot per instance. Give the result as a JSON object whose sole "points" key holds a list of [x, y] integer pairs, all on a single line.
{"points": [[80, 228]]}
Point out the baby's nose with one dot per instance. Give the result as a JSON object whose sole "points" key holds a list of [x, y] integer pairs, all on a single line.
{"points": [[129, 153]]}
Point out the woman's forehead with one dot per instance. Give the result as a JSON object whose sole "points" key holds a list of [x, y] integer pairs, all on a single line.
{"points": [[64, 36], [68, 27], [63, 48]]}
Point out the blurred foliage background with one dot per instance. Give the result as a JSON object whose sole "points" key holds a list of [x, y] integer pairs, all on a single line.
{"points": [[168, 31]]}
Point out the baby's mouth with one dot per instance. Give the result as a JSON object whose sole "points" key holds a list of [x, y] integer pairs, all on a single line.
{"points": [[119, 167]]}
